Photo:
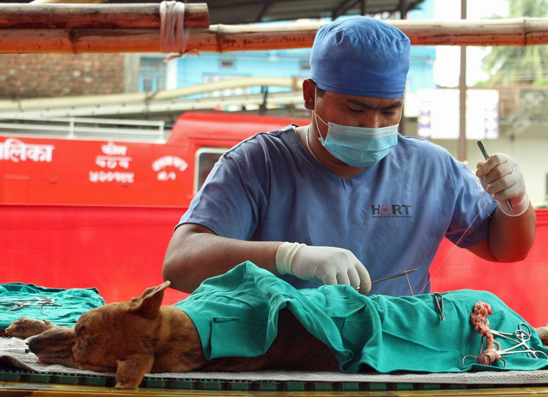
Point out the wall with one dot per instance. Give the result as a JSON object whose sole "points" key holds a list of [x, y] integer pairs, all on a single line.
{"points": [[56, 75], [528, 149], [529, 153], [192, 70]]}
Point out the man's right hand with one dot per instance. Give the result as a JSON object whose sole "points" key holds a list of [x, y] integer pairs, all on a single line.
{"points": [[328, 265]]}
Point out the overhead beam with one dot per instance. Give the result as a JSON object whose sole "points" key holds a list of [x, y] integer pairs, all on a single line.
{"points": [[34, 2], [146, 107], [26, 105], [63, 16], [223, 38]]}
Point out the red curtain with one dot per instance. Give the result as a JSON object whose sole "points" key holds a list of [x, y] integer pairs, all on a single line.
{"points": [[522, 285], [120, 251]]}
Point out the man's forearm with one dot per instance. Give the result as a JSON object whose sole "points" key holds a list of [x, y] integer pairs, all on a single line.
{"points": [[193, 257], [511, 238]]}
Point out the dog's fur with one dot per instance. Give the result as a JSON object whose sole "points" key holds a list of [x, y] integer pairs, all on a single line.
{"points": [[133, 338]]}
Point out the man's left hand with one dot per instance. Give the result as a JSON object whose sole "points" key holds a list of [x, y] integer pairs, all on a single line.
{"points": [[501, 177]]}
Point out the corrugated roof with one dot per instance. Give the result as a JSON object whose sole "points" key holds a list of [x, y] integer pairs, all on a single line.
{"points": [[250, 11]]}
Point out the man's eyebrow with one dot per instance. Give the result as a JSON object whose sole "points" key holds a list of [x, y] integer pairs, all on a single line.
{"points": [[393, 105]]}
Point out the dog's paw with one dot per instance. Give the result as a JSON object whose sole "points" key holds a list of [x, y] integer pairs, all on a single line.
{"points": [[126, 386], [25, 327], [130, 372], [543, 335]]}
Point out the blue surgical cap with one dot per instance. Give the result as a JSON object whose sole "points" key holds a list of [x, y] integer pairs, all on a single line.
{"points": [[361, 56]]}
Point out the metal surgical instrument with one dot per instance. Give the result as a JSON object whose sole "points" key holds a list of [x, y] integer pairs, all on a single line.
{"points": [[520, 338], [486, 157], [391, 277], [438, 298], [16, 304], [394, 276]]}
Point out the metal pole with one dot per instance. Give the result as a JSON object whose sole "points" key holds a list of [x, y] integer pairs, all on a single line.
{"points": [[462, 155], [363, 7], [403, 15], [71, 128], [403, 9]]}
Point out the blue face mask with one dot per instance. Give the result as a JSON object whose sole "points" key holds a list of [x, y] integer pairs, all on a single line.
{"points": [[358, 146]]}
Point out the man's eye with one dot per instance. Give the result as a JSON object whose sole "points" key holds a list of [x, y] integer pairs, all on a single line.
{"points": [[389, 113], [354, 110]]}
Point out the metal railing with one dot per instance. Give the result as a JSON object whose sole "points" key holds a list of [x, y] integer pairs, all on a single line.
{"points": [[85, 128]]}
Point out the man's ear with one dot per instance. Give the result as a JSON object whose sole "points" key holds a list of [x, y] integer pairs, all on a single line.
{"points": [[149, 303], [309, 93]]}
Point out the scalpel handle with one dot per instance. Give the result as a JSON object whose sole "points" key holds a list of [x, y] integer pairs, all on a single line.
{"points": [[486, 157]]}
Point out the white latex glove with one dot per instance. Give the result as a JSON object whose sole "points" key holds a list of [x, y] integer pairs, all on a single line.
{"points": [[327, 265], [501, 177]]}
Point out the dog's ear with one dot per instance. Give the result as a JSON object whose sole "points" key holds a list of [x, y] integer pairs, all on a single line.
{"points": [[130, 372], [149, 303]]}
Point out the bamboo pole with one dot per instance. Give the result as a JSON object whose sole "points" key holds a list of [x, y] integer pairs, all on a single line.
{"points": [[66, 1], [137, 97], [225, 38], [96, 16]]}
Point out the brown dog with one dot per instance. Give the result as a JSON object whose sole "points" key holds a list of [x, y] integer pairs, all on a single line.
{"points": [[141, 336]]}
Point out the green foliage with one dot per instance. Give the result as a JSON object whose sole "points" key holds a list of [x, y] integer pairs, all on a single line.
{"points": [[541, 82], [485, 83], [519, 65]]}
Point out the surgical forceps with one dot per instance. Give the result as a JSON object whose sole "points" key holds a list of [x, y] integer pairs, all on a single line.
{"points": [[520, 337], [438, 298], [21, 303]]}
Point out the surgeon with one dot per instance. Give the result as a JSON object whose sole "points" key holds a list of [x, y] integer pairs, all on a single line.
{"points": [[346, 199]]}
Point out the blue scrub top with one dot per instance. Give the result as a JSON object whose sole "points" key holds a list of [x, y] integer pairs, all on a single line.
{"points": [[392, 216]]}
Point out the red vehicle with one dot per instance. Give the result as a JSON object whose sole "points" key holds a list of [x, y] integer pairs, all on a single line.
{"points": [[62, 171], [100, 214]]}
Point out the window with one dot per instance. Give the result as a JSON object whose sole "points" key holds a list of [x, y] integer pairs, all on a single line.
{"points": [[227, 63], [305, 65], [152, 74], [206, 158]]}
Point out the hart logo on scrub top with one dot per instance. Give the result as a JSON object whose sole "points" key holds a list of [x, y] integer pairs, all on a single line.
{"points": [[385, 210]]}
